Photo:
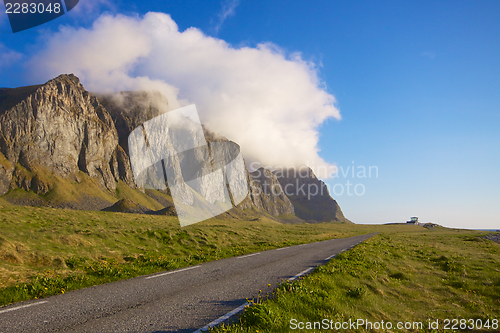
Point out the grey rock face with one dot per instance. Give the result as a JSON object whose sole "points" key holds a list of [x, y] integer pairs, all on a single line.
{"points": [[130, 109], [264, 190], [493, 237], [223, 154], [309, 195], [6, 171], [267, 193], [174, 142], [120, 167], [61, 127]]}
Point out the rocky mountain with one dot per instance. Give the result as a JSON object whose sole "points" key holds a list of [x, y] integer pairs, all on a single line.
{"points": [[61, 128], [65, 147], [131, 109], [267, 194], [309, 195]]}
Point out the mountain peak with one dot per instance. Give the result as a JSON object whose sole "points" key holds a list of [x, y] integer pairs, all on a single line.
{"points": [[66, 78], [58, 126]]}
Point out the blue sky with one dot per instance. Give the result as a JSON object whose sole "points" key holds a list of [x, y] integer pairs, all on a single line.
{"points": [[416, 84]]}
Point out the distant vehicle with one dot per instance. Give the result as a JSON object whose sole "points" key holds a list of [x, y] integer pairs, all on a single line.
{"points": [[413, 220]]}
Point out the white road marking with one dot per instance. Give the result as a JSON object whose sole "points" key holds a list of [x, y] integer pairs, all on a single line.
{"points": [[22, 307], [221, 319], [249, 255], [301, 273], [242, 307], [168, 273]]}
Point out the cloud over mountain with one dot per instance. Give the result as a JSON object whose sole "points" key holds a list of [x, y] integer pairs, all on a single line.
{"points": [[268, 101]]}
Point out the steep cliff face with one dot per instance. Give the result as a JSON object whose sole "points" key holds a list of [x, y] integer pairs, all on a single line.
{"points": [[267, 194], [132, 109], [264, 190], [309, 196], [59, 126]]}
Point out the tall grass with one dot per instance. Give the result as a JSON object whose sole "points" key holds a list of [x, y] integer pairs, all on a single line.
{"points": [[45, 251], [398, 277]]}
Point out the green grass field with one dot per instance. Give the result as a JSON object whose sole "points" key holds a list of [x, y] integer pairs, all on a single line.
{"points": [[406, 277], [405, 273], [46, 251]]}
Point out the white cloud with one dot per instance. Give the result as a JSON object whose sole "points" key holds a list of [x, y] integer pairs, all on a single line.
{"points": [[8, 56], [228, 9], [269, 102]]}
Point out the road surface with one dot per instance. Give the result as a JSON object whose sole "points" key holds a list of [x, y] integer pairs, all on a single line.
{"points": [[183, 300]]}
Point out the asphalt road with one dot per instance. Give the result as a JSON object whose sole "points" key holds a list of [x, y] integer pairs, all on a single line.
{"points": [[183, 300]]}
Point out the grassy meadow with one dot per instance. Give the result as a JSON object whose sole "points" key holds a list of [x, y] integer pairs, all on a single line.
{"points": [[46, 251], [408, 277], [404, 273]]}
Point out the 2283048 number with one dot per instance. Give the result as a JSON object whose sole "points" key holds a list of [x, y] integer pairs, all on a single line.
{"points": [[471, 324], [24, 8]]}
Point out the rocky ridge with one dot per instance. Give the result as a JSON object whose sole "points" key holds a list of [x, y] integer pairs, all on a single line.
{"points": [[64, 129], [267, 194], [309, 195], [493, 237], [58, 129]]}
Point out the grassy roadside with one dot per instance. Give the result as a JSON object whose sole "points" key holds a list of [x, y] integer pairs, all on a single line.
{"points": [[45, 251], [396, 277], [406, 273]]}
